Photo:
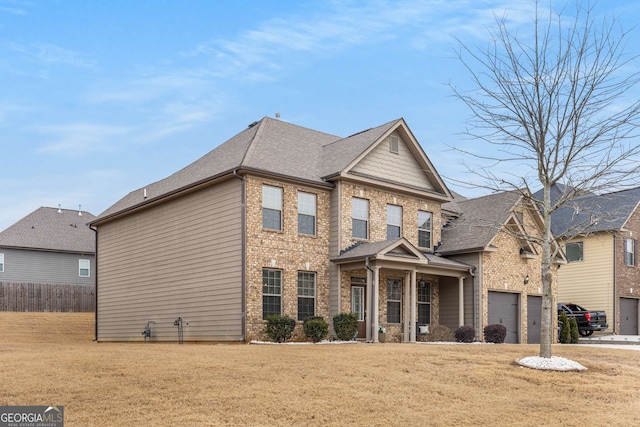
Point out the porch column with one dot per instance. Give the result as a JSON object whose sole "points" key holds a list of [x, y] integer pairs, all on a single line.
{"points": [[369, 306], [412, 317], [407, 307], [460, 301], [375, 288]]}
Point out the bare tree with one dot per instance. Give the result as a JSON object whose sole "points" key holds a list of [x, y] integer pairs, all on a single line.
{"points": [[554, 102]]}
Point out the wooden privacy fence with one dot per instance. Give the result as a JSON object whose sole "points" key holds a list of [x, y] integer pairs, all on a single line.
{"points": [[47, 297]]}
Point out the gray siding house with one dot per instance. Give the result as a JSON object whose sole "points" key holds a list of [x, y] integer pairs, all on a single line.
{"points": [[49, 246]]}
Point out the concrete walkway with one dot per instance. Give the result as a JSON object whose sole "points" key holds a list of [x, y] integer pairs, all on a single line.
{"points": [[611, 339]]}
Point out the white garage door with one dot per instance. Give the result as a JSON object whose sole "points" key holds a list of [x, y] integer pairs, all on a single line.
{"points": [[503, 309]]}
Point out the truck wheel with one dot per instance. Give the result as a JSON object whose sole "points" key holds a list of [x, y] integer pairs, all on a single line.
{"points": [[586, 333]]}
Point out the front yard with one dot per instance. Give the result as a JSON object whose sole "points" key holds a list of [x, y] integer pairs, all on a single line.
{"points": [[50, 359]]}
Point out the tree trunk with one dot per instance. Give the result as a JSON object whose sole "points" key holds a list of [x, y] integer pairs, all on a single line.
{"points": [[546, 332]]}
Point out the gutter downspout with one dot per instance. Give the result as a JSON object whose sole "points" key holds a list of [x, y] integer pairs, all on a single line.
{"points": [[95, 322], [243, 221]]}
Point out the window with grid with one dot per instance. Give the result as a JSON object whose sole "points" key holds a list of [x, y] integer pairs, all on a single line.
{"points": [[306, 213], [630, 248], [306, 295], [84, 267], [424, 302], [360, 218], [271, 208], [1, 263], [424, 229], [574, 251], [394, 221], [271, 292], [394, 300]]}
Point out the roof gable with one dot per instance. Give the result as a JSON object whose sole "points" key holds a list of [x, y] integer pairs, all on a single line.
{"points": [[367, 155], [274, 147], [52, 229], [386, 249]]}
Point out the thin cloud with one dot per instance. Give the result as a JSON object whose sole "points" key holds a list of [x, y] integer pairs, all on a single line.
{"points": [[80, 138], [48, 54], [257, 53]]}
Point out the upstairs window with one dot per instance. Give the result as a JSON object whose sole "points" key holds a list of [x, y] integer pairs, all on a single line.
{"points": [[306, 295], [306, 213], [84, 266], [630, 248], [394, 300], [424, 229], [424, 302], [360, 218], [1, 263], [271, 292], [574, 251], [394, 221], [271, 208]]}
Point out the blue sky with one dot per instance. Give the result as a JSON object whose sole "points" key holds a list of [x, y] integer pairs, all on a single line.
{"points": [[103, 97]]}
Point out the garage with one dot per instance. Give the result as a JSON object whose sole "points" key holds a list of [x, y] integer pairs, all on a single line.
{"points": [[534, 318], [503, 309], [629, 316]]}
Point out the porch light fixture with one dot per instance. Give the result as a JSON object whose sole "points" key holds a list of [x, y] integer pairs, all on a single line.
{"points": [[526, 279]]}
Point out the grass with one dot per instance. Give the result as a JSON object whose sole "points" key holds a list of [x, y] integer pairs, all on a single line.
{"points": [[50, 359]]}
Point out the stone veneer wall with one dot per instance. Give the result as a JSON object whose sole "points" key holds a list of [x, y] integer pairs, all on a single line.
{"points": [[284, 250], [504, 270], [378, 201]]}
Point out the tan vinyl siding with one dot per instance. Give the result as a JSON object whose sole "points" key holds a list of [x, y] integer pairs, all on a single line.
{"points": [[182, 259], [401, 168], [589, 283]]}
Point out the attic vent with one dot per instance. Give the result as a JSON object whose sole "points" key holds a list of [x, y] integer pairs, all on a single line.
{"points": [[394, 141], [253, 124]]}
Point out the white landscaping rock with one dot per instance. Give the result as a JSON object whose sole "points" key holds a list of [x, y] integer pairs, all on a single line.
{"points": [[553, 363]]}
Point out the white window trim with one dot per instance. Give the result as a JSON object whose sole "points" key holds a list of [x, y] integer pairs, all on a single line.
{"points": [[314, 214], [80, 268], [1, 263], [366, 220]]}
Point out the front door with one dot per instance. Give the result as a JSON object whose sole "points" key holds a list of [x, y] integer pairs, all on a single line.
{"points": [[358, 306]]}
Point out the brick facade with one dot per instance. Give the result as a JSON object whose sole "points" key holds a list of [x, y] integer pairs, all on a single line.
{"points": [[284, 250], [627, 276]]}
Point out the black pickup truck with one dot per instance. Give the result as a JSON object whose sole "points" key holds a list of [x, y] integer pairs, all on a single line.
{"points": [[588, 321]]}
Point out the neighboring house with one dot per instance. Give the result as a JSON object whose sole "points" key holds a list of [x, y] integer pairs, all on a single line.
{"points": [[281, 219], [602, 253], [489, 233], [49, 246]]}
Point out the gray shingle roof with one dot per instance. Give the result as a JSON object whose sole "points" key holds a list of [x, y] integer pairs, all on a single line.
{"points": [[478, 224], [51, 229], [271, 146], [595, 213]]}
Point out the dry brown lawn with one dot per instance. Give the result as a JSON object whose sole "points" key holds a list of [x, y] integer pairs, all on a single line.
{"points": [[50, 359]]}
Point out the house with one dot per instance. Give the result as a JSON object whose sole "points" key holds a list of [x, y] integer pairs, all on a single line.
{"points": [[48, 255], [282, 219], [601, 244], [491, 233]]}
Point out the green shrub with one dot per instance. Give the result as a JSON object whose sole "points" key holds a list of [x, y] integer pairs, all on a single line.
{"points": [[315, 328], [279, 328], [439, 333], [345, 325], [565, 329], [573, 328], [465, 334], [495, 333]]}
